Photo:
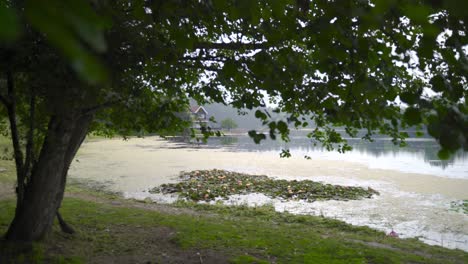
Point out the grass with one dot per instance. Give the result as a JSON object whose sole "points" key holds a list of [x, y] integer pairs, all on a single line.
{"points": [[8, 173], [239, 234]]}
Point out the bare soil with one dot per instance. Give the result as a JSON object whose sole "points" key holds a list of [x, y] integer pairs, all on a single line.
{"points": [[151, 245]]}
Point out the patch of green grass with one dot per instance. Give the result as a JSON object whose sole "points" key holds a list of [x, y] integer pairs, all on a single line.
{"points": [[21, 253], [459, 206], [239, 232], [68, 260], [7, 208], [91, 188], [7, 165], [246, 259], [7, 172]]}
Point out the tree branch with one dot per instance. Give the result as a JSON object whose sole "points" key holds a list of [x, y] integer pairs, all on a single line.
{"points": [[66, 228], [202, 67], [231, 45], [95, 108], [30, 137], [11, 108], [217, 59]]}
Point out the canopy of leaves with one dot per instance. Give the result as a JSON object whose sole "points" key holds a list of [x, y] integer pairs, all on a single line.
{"points": [[379, 65]]}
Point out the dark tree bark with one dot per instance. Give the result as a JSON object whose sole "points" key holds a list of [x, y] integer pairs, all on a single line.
{"points": [[44, 192], [66, 228], [79, 134]]}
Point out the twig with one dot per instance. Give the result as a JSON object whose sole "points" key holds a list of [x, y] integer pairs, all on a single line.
{"points": [[231, 45]]}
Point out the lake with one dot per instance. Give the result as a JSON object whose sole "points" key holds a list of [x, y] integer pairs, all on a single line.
{"points": [[419, 156]]}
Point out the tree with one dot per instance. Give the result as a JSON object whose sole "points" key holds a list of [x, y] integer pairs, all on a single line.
{"points": [[228, 124], [71, 67]]}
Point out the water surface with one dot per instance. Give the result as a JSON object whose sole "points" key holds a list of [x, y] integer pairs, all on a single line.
{"points": [[419, 156]]}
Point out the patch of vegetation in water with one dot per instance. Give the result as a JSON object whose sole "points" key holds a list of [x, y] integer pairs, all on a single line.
{"points": [[207, 185], [460, 206]]}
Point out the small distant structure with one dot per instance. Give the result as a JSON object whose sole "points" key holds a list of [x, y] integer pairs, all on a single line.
{"points": [[199, 116]]}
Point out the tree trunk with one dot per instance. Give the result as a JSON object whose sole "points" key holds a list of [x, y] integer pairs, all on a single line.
{"points": [[44, 193]]}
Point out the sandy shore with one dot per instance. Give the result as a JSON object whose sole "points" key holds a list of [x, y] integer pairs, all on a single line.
{"points": [[412, 204]]}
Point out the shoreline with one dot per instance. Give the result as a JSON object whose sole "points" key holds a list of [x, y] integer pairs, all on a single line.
{"points": [[139, 164]]}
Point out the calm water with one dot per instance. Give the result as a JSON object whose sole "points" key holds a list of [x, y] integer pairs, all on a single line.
{"points": [[419, 156]]}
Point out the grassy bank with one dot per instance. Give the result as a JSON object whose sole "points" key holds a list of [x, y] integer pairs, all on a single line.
{"points": [[114, 230]]}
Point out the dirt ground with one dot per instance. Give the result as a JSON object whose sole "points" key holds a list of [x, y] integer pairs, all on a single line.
{"points": [[152, 245]]}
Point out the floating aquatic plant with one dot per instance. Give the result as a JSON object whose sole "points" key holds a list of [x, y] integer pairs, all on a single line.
{"points": [[206, 185], [460, 206]]}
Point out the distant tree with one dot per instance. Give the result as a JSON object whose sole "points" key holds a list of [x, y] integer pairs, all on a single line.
{"points": [[70, 67], [228, 124]]}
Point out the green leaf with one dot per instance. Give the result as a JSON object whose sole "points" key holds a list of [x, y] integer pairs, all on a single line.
{"points": [[412, 116], [434, 129], [88, 25], [260, 115], [285, 153], [456, 7], [9, 24], [63, 29], [426, 47], [272, 125], [444, 154], [229, 68], [419, 134], [282, 127], [88, 67], [417, 13], [278, 7], [409, 97], [257, 137], [438, 83]]}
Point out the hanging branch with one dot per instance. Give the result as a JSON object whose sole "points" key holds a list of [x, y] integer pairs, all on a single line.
{"points": [[11, 108], [93, 109], [66, 228], [30, 137], [231, 46]]}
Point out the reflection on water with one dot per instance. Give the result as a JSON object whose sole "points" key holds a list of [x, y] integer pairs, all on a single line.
{"points": [[419, 156], [227, 141]]}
